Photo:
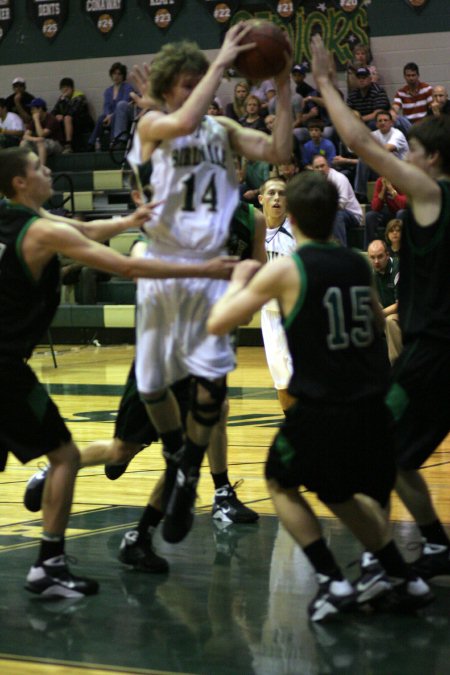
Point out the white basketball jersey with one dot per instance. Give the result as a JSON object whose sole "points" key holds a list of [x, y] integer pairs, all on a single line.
{"points": [[279, 241], [195, 179]]}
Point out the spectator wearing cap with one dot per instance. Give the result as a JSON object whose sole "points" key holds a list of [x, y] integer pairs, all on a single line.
{"points": [[19, 101], [11, 127], [368, 99], [362, 58], [43, 134], [302, 88], [413, 99]]}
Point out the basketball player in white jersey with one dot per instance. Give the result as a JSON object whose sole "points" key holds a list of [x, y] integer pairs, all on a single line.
{"points": [[194, 178], [279, 241]]}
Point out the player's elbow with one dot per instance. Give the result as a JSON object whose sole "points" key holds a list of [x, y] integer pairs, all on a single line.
{"points": [[280, 155], [127, 268], [215, 326]]}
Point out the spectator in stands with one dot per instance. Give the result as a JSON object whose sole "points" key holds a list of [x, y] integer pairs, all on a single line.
{"points": [[349, 214], [72, 112], [253, 118], [362, 58], [346, 162], [392, 139], [246, 192], [386, 280], [393, 237], [296, 98], [269, 121], [119, 91], [251, 175], [215, 108], [43, 134], [413, 99], [317, 145], [20, 100], [286, 171], [387, 202], [236, 108], [313, 108], [401, 122], [301, 87], [11, 127], [440, 105], [265, 91], [368, 98]]}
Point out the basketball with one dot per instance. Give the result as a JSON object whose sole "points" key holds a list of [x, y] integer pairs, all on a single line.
{"points": [[267, 58]]}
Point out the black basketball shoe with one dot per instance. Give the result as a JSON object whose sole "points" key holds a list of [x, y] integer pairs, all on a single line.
{"points": [[229, 509], [179, 514], [53, 579], [140, 554]]}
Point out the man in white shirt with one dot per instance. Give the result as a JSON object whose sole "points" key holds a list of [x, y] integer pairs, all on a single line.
{"points": [[392, 139], [11, 127], [350, 212]]}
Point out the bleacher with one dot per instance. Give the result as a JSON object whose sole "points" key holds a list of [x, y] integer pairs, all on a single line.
{"points": [[93, 185]]}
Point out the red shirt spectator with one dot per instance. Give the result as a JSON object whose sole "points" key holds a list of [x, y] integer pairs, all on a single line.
{"points": [[413, 99], [385, 194]]}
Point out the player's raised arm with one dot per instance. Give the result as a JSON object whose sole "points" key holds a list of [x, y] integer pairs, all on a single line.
{"points": [[258, 145], [421, 189]]}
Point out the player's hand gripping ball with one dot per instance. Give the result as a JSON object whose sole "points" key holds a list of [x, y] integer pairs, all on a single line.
{"points": [[268, 57]]}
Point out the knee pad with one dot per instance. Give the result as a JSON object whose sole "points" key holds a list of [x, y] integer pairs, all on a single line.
{"points": [[208, 414]]}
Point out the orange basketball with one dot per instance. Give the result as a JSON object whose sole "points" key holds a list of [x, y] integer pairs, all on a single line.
{"points": [[267, 58]]}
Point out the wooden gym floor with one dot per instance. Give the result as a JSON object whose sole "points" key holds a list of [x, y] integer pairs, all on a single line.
{"points": [[235, 599]]}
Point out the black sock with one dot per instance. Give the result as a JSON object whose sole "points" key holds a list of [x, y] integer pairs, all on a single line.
{"points": [[51, 547], [322, 559], [435, 533], [151, 517], [393, 562], [193, 455], [172, 440], [220, 479]]}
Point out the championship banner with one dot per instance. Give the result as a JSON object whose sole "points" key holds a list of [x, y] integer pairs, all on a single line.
{"points": [[105, 14], [418, 5], [48, 16], [6, 17], [221, 10], [342, 24], [162, 12]]}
